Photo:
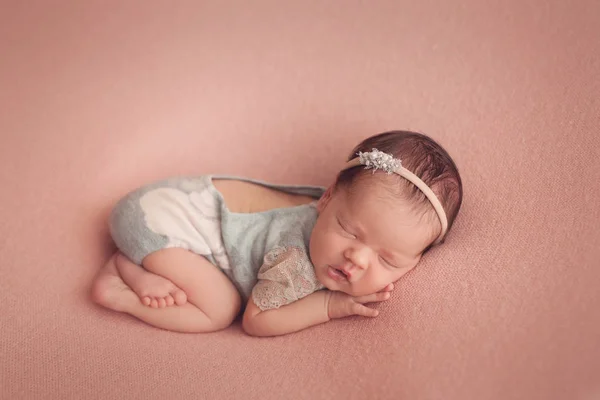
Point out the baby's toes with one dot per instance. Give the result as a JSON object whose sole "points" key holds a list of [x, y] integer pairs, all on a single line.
{"points": [[146, 300], [180, 297], [169, 300], [162, 302], [154, 303]]}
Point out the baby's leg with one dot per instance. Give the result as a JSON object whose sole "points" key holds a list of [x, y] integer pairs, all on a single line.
{"points": [[213, 302], [153, 290]]}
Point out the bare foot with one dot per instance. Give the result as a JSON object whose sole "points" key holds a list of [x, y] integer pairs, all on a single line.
{"points": [[110, 291], [153, 290]]}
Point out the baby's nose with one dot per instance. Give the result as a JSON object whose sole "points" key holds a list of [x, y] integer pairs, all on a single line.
{"points": [[358, 259]]}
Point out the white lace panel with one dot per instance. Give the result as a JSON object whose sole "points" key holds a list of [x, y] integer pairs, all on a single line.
{"points": [[286, 275]]}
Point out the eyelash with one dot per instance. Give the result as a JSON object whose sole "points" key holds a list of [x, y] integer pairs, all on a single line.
{"points": [[345, 230], [354, 237], [387, 262]]}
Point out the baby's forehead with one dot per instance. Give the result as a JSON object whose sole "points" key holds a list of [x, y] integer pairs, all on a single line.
{"points": [[384, 214], [376, 208], [389, 191]]}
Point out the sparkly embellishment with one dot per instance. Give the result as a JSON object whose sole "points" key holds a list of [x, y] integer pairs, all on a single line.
{"points": [[379, 160]]}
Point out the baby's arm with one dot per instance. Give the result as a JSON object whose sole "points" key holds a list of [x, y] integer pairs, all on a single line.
{"points": [[289, 300], [308, 311], [314, 309]]}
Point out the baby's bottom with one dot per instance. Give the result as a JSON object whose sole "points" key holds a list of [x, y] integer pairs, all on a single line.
{"points": [[212, 300]]}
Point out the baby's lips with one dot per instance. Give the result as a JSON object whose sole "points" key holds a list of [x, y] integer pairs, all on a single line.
{"points": [[344, 271]]}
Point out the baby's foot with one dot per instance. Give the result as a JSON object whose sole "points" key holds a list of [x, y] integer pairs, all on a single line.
{"points": [[153, 290], [110, 291], [157, 292]]}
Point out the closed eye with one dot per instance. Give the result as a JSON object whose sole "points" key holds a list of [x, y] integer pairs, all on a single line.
{"points": [[387, 262], [344, 228]]}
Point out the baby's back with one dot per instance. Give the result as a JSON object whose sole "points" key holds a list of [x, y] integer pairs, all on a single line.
{"points": [[249, 197]]}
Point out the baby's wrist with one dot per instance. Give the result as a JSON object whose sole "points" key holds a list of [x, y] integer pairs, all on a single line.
{"points": [[327, 303]]}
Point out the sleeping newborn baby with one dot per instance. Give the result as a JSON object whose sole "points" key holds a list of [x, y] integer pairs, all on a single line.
{"points": [[192, 250]]}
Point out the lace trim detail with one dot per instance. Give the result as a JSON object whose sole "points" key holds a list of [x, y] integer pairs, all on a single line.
{"points": [[287, 275]]}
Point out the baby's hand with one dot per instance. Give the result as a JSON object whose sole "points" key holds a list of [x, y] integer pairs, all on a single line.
{"points": [[342, 305]]}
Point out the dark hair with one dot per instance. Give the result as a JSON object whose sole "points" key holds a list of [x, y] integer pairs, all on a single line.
{"points": [[423, 157]]}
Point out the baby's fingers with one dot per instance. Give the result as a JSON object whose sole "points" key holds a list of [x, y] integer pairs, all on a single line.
{"points": [[388, 288], [359, 309], [371, 298]]}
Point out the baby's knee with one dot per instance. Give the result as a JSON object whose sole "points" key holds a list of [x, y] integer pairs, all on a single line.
{"points": [[226, 314]]}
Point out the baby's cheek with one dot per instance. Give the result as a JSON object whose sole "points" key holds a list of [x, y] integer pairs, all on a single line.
{"points": [[382, 279], [318, 246], [335, 243], [394, 276]]}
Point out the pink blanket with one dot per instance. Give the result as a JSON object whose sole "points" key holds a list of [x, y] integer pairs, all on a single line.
{"points": [[98, 97]]}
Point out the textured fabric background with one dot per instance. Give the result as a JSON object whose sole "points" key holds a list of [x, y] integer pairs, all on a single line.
{"points": [[97, 97]]}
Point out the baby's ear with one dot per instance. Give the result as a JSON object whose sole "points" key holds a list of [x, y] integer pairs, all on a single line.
{"points": [[324, 200]]}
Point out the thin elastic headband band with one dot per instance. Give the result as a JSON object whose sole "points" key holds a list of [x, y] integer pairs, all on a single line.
{"points": [[379, 160]]}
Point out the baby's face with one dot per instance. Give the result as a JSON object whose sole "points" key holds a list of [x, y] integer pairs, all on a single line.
{"points": [[365, 241]]}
